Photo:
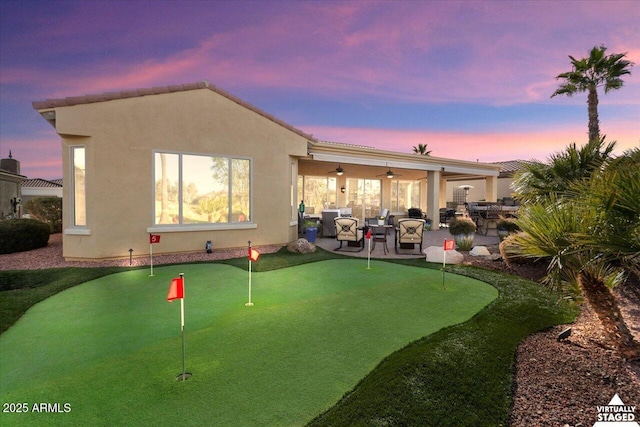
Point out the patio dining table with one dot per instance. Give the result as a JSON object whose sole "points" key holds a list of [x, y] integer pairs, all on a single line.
{"points": [[500, 209], [491, 213]]}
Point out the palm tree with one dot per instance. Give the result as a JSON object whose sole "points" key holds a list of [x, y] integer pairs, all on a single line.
{"points": [[590, 234], [588, 74], [422, 150], [538, 180]]}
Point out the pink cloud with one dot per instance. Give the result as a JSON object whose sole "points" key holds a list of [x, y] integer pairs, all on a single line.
{"points": [[418, 52], [39, 157], [483, 147]]}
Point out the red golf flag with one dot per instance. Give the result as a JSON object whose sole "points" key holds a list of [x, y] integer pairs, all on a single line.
{"points": [[368, 236], [253, 254], [449, 245], [154, 238], [176, 290]]}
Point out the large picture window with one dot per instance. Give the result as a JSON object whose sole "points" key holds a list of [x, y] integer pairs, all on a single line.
{"points": [[198, 189], [78, 187]]}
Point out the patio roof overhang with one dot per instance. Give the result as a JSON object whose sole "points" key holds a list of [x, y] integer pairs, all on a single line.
{"points": [[366, 156]]}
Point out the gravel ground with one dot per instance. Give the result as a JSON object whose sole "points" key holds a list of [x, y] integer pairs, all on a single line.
{"points": [[557, 383], [561, 383], [51, 257]]}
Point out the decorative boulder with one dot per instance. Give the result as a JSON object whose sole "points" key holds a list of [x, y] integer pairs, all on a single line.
{"points": [[302, 246], [479, 251], [436, 254]]}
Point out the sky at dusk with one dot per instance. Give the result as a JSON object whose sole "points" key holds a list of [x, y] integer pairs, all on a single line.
{"points": [[472, 79]]}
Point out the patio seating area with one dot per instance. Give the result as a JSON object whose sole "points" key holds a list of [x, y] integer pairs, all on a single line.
{"points": [[430, 238]]}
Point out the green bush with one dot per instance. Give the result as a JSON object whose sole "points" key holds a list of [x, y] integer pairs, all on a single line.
{"points": [[46, 209], [18, 235], [462, 225]]}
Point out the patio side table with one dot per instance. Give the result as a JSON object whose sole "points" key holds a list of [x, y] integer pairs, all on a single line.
{"points": [[380, 234]]}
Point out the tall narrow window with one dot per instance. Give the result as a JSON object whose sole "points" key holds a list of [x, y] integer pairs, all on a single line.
{"points": [[167, 173], [240, 190], [78, 187]]}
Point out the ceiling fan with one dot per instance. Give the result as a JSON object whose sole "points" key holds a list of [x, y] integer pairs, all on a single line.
{"points": [[389, 174], [338, 171]]}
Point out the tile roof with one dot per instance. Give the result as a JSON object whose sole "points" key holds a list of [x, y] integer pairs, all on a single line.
{"points": [[110, 96], [344, 144], [510, 167], [41, 183]]}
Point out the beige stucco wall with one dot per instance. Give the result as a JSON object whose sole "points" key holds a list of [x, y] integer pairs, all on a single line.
{"points": [[121, 137], [478, 192]]}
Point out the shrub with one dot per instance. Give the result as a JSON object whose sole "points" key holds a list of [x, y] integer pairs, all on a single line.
{"points": [[462, 225], [17, 235], [46, 209]]}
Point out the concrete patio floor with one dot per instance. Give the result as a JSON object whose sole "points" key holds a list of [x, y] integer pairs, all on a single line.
{"points": [[431, 238]]}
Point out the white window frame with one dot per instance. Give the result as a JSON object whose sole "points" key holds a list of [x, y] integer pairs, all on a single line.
{"points": [[198, 227], [74, 228]]}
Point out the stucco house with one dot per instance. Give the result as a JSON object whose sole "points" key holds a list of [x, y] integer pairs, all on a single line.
{"points": [[194, 163], [34, 188], [10, 188], [476, 192]]}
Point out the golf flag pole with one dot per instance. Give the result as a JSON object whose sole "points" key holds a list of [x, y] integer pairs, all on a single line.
{"points": [[176, 291], [253, 256], [444, 261], [184, 372], [151, 258], [153, 238], [448, 246], [368, 236]]}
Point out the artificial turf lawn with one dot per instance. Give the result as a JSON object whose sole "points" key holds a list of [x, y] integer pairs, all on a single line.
{"points": [[111, 347]]}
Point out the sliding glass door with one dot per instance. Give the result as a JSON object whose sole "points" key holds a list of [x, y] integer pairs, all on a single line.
{"points": [[363, 197]]}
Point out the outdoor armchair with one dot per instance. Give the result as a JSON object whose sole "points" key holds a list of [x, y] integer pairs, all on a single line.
{"points": [[409, 231], [347, 230]]}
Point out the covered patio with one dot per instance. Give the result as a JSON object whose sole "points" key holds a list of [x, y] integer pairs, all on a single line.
{"points": [[361, 181]]}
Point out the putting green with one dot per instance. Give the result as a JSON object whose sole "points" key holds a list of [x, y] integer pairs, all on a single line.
{"points": [[110, 349]]}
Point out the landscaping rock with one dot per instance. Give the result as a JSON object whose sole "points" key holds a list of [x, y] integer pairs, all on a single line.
{"points": [[479, 251], [302, 246], [436, 254]]}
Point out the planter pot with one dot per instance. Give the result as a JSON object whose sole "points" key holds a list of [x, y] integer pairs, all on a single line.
{"points": [[381, 222], [502, 233], [464, 242]]}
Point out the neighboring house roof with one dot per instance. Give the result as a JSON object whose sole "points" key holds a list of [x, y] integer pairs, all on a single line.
{"points": [[510, 167], [41, 183], [9, 176], [110, 96], [38, 187]]}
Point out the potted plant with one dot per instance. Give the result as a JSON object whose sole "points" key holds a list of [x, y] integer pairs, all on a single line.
{"points": [[381, 220], [505, 227], [463, 230]]}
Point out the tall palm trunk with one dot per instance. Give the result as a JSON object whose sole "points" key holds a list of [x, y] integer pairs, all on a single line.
{"points": [[606, 307], [594, 123]]}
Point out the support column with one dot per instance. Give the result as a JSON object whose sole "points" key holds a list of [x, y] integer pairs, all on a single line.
{"points": [[433, 195], [443, 193], [491, 189]]}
